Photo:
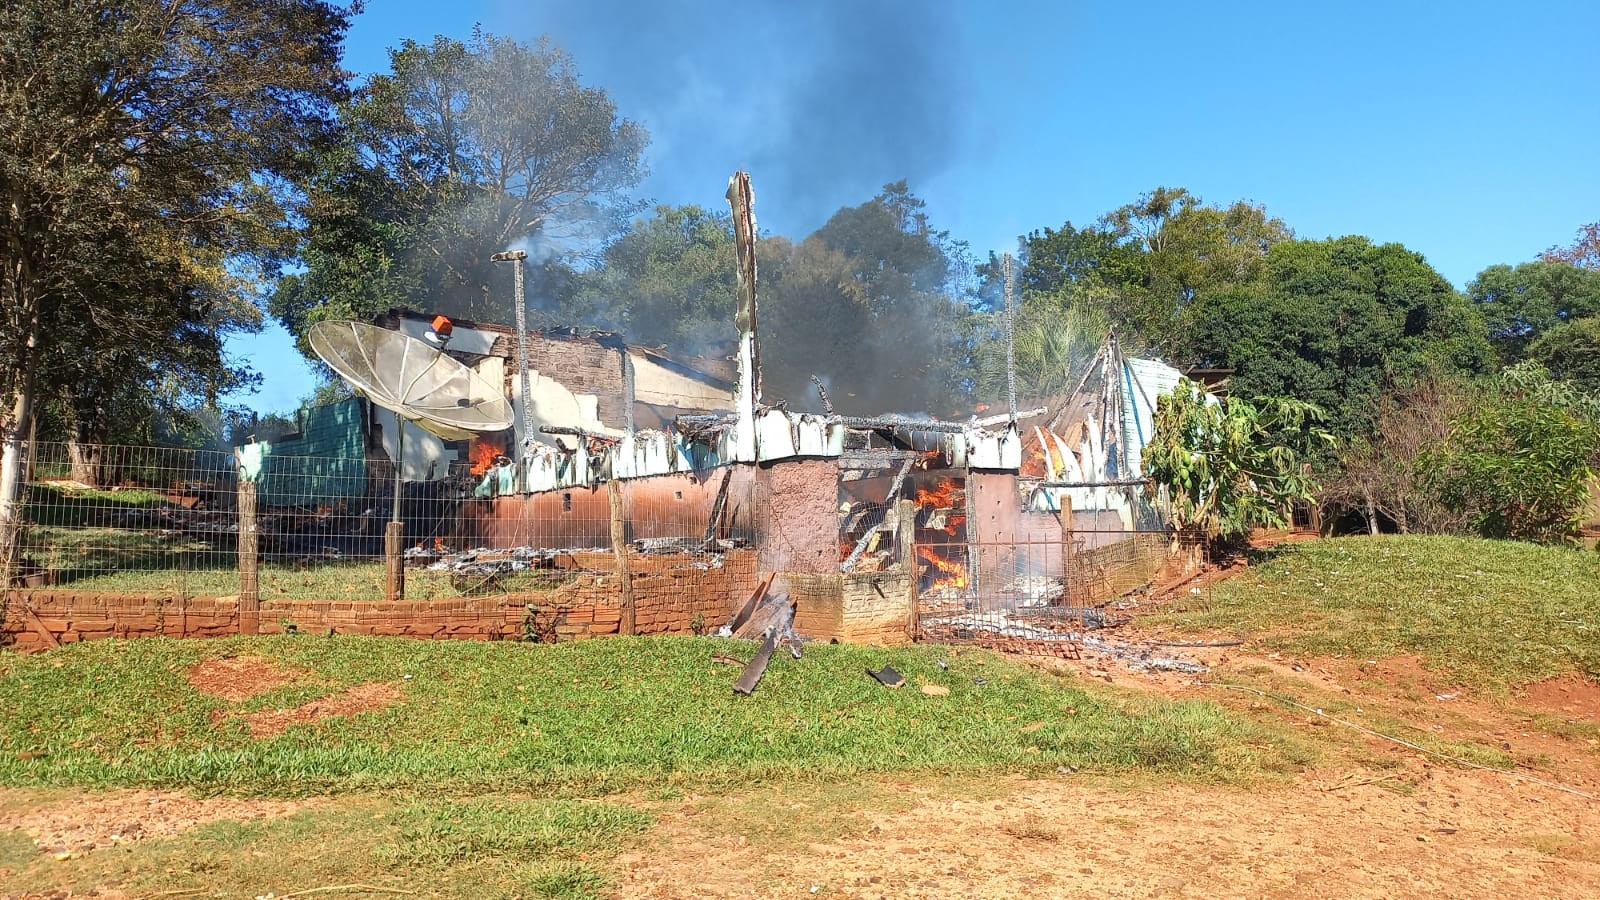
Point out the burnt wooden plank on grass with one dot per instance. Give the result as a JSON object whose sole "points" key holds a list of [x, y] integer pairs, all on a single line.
{"points": [[751, 676]]}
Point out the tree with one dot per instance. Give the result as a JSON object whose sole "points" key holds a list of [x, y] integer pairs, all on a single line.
{"points": [[1051, 261], [460, 151], [1190, 252], [668, 280], [1231, 465], [1520, 304], [872, 303], [1146, 266], [1584, 252], [1380, 473], [1334, 323], [1571, 352], [1519, 462], [149, 153], [1053, 344]]}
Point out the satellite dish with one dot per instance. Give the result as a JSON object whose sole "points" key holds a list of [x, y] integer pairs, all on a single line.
{"points": [[418, 383], [412, 379]]}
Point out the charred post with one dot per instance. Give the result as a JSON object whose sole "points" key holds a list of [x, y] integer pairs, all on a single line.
{"points": [[1011, 344]]}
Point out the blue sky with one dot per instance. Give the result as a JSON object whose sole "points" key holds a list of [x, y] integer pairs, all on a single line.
{"points": [[1467, 132]]}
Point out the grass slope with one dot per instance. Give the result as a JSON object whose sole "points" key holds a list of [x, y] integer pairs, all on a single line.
{"points": [[1491, 614], [583, 718]]}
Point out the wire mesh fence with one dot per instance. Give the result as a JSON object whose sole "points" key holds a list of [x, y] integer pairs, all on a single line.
{"points": [[156, 521], [164, 522], [128, 519], [686, 543], [1043, 593]]}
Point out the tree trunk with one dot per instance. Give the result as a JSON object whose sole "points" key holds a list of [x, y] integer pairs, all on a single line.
{"points": [[85, 459], [11, 464]]}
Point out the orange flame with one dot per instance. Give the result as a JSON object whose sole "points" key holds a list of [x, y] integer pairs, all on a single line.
{"points": [[941, 496], [484, 453], [1036, 463], [950, 573]]}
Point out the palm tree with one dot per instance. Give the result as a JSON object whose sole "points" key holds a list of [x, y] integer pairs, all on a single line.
{"points": [[1053, 344]]}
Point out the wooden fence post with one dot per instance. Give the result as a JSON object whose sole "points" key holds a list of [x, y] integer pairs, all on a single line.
{"points": [[394, 562], [249, 561], [906, 536], [619, 546]]}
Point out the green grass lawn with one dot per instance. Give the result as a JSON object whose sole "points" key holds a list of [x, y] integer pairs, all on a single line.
{"points": [[1490, 614], [522, 769], [585, 718], [64, 504]]}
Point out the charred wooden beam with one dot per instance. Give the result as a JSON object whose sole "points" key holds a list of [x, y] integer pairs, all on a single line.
{"points": [[877, 423], [827, 405], [743, 616], [576, 432], [751, 677], [714, 524], [1001, 420], [1116, 482], [859, 423]]}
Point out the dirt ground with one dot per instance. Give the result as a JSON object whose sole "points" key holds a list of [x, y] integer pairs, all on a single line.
{"points": [[1403, 825], [1376, 820], [83, 824], [236, 678], [1429, 832], [359, 699]]}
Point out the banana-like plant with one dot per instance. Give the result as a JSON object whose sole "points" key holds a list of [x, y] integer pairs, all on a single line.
{"points": [[1229, 464]]}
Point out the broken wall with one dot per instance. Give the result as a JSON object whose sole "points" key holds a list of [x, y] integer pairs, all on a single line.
{"points": [[662, 385], [1012, 541], [655, 508], [797, 508]]}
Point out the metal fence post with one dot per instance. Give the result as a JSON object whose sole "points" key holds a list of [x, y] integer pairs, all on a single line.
{"points": [[1066, 549]]}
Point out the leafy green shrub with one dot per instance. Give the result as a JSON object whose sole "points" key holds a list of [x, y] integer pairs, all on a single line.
{"points": [[1518, 463], [1230, 465]]}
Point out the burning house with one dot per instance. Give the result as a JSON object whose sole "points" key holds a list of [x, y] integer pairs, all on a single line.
{"points": [[675, 490], [876, 528]]}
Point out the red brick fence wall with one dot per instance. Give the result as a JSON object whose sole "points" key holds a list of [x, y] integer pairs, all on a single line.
{"points": [[672, 593]]}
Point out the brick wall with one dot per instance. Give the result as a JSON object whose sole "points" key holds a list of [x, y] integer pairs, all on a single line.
{"points": [[671, 593], [865, 608]]}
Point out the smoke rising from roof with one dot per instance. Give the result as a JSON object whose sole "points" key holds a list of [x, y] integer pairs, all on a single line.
{"points": [[823, 101]]}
